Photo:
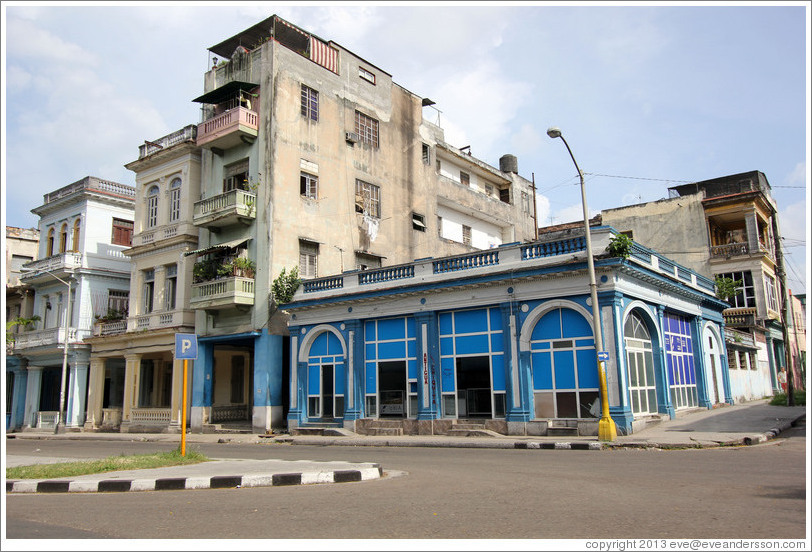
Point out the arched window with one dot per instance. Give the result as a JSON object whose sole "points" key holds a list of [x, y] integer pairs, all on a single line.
{"points": [[50, 243], [152, 207], [63, 238], [565, 373], [640, 363], [174, 200], [76, 229]]}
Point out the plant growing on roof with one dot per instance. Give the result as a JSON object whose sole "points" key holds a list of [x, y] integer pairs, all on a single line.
{"points": [[726, 287], [620, 245], [285, 285]]}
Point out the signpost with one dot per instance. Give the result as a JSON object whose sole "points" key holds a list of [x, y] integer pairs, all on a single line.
{"points": [[185, 348]]}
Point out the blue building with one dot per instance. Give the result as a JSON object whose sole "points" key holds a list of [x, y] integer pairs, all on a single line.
{"points": [[503, 338]]}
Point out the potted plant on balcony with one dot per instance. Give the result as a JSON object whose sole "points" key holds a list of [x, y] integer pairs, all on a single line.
{"points": [[206, 270], [112, 315], [243, 267]]}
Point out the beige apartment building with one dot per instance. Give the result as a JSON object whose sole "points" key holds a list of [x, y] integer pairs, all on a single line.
{"points": [[314, 158], [135, 382]]}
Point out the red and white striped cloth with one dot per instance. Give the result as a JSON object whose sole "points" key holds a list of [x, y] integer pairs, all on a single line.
{"points": [[323, 54]]}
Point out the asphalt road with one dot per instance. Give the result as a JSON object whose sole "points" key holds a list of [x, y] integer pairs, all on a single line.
{"points": [[743, 492]]}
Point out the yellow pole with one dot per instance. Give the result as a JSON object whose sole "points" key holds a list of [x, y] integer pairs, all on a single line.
{"points": [[183, 413]]}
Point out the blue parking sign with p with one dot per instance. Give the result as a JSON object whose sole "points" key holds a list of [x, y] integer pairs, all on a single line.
{"points": [[185, 346]]}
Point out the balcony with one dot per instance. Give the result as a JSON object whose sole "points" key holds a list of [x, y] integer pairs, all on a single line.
{"points": [[739, 318], [730, 250], [60, 264], [186, 134], [234, 292], [52, 337], [231, 128], [159, 320], [91, 184], [233, 207]]}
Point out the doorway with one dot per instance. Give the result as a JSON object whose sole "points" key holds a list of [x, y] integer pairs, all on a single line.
{"points": [[474, 387], [392, 378]]}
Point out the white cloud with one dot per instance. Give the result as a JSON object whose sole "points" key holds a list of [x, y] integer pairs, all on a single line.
{"points": [[794, 228], [573, 213], [24, 40], [798, 175], [527, 141], [17, 78], [542, 210], [483, 101]]}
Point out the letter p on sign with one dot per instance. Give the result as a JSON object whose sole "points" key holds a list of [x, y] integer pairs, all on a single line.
{"points": [[185, 346]]}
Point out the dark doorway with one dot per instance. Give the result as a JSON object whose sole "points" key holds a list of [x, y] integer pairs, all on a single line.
{"points": [[392, 387], [327, 391], [474, 387], [49, 389]]}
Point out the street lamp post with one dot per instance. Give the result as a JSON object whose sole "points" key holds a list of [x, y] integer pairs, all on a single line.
{"points": [[60, 424], [607, 431]]}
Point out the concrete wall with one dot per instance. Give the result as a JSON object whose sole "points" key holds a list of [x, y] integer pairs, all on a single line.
{"points": [[674, 227]]}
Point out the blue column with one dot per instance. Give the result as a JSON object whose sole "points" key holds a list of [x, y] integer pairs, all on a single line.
{"points": [[664, 404], [621, 412], [17, 414], [702, 390], [518, 395], [268, 361], [201, 395], [354, 371], [428, 366], [725, 367], [296, 405]]}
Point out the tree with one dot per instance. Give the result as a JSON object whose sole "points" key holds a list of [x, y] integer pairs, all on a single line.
{"points": [[727, 287], [11, 324]]}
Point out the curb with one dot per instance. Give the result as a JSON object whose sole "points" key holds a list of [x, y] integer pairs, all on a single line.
{"points": [[188, 483], [771, 433]]}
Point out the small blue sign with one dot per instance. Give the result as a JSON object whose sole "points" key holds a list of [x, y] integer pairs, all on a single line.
{"points": [[185, 346], [603, 355]]}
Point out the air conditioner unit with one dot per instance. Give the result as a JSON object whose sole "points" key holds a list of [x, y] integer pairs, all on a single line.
{"points": [[351, 137]]}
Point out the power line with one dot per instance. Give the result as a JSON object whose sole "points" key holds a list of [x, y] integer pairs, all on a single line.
{"points": [[640, 178]]}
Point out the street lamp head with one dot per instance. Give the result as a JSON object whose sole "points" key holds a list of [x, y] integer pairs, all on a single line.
{"points": [[554, 132]]}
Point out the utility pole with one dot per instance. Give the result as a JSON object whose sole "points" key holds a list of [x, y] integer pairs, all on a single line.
{"points": [[782, 278]]}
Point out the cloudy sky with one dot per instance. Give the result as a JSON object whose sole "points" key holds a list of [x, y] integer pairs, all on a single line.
{"points": [[648, 96]]}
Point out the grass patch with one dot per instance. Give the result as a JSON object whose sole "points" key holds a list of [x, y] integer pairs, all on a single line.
{"points": [[111, 463], [780, 399]]}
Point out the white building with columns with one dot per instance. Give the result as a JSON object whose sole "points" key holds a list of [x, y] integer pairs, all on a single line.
{"points": [[81, 274]]}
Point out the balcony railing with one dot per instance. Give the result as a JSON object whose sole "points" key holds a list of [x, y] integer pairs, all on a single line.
{"points": [[162, 233], [743, 317], [61, 262], [151, 416], [110, 328], [738, 249], [229, 413], [227, 129], [227, 292], [91, 183], [186, 134], [158, 320], [51, 337], [47, 419], [506, 258], [226, 209]]}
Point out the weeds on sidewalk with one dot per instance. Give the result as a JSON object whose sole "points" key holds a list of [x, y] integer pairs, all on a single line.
{"points": [[780, 399], [111, 463]]}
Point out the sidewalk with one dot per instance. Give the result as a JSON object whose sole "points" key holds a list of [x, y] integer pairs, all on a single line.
{"points": [[743, 424]]}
